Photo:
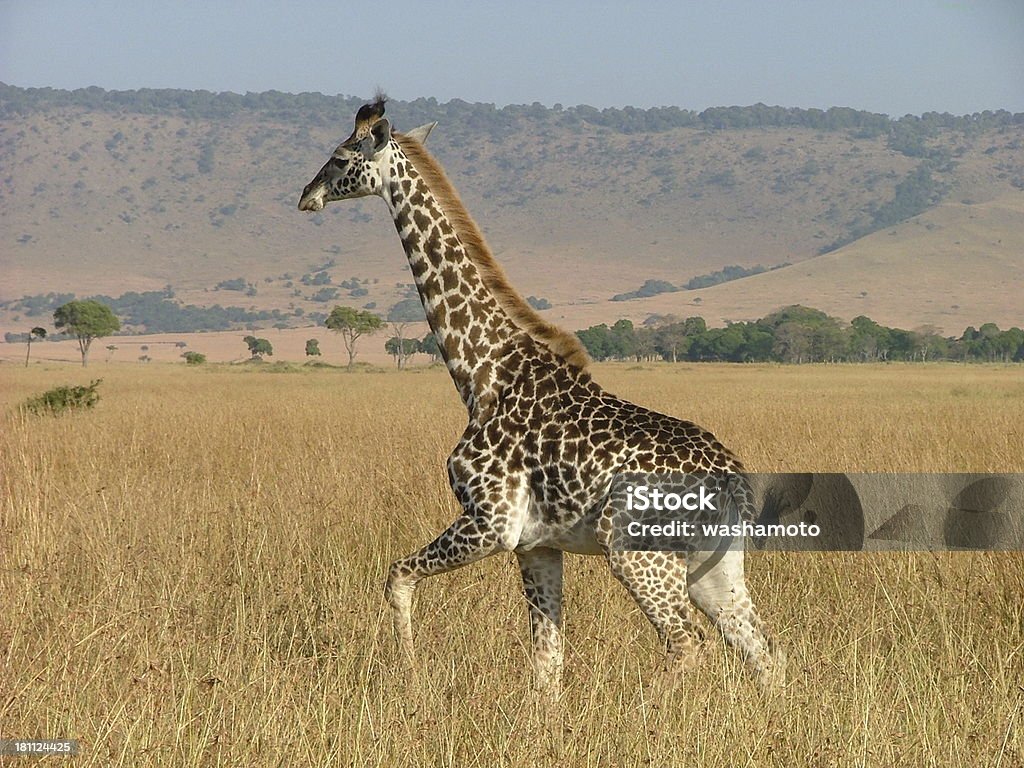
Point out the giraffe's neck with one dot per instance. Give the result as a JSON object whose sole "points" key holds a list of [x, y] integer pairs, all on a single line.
{"points": [[473, 331]]}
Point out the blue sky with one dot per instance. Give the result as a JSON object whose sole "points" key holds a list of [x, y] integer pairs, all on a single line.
{"points": [[897, 56]]}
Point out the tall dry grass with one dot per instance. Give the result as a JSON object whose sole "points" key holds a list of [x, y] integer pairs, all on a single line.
{"points": [[191, 575]]}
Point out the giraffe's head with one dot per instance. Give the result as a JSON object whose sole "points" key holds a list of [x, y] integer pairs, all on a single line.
{"points": [[357, 168]]}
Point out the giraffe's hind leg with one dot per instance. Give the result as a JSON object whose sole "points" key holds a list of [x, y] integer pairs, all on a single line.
{"points": [[657, 582], [718, 588], [541, 569], [465, 541]]}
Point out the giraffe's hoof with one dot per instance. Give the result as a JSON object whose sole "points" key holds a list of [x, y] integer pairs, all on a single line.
{"points": [[772, 676], [547, 695]]}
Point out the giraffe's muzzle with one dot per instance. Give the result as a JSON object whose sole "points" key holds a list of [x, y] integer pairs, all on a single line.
{"points": [[311, 204], [312, 197]]}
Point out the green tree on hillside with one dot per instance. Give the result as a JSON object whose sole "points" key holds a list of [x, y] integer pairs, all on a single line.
{"points": [[352, 324], [86, 320]]}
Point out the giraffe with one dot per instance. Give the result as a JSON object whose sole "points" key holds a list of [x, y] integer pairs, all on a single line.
{"points": [[534, 469]]}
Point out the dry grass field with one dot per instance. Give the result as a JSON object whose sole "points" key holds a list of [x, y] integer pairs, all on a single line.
{"points": [[191, 574]]}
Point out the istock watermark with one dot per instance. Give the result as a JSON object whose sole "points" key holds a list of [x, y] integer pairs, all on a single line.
{"points": [[817, 511], [642, 498]]}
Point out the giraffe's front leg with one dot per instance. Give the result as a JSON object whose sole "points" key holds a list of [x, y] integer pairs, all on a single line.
{"points": [[541, 569], [398, 591], [465, 541]]}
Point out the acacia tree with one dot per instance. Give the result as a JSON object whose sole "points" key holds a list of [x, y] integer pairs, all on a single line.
{"points": [[399, 317], [644, 343], [398, 346], [258, 347], [86, 320], [352, 324], [36, 333], [402, 349], [671, 341], [429, 346]]}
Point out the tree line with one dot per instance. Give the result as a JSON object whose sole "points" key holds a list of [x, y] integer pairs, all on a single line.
{"points": [[905, 134], [797, 334], [794, 334], [156, 311], [653, 287]]}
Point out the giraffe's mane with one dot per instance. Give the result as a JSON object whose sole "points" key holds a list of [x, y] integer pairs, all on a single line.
{"points": [[562, 343]]}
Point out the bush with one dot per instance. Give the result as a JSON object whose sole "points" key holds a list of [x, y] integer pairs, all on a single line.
{"points": [[649, 288], [61, 399], [325, 294], [235, 284], [194, 358]]}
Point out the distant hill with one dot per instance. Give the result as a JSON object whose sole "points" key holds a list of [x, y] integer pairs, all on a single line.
{"points": [[108, 192], [953, 266]]}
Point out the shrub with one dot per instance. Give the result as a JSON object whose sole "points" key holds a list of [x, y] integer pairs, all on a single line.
{"points": [[194, 358], [61, 399]]}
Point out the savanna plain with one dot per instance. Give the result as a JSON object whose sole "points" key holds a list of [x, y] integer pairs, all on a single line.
{"points": [[191, 575]]}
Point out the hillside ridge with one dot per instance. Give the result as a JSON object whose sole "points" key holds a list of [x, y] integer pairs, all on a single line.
{"points": [[106, 192]]}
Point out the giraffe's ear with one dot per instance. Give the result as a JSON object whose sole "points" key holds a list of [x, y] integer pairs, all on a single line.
{"points": [[379, 137], [421, 133]]}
